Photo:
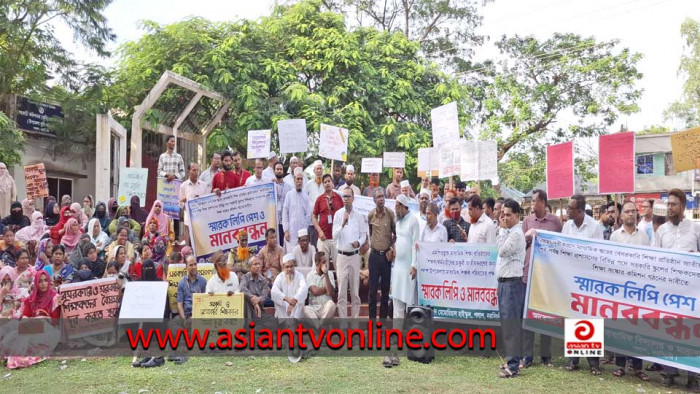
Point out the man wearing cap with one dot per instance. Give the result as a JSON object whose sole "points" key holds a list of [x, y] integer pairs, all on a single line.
{"points": [[382, 235], [314, 187], [304, 252], [257, 177], [350, 232], [269, 172], [394, 188], [403, 274], [406, 188], [325, 207], [373, 183], [423, 201], [296, 213], [349, 181], [294, 162], [289, 291]]}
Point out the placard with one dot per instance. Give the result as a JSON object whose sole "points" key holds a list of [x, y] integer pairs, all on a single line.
{"points": [[35, 179], [169, 194], [428, 162], [90, 307], [371, 165], [132, 182], [218, 311], [333, 143], [478, 161], [394, 159], [616, 163], [560, 170], [144, 301], [364, 205], [445, 122], [259, 144], [450, 161], [292, 135], [685, 147], [178, 271]]}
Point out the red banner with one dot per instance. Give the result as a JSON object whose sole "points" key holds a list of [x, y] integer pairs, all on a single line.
{"points": [[560, 170], [638, 199], [616, 166]]}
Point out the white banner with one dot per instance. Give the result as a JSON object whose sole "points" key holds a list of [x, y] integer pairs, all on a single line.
{"points": [[292, 136], [132, 182], [450, 161], [259, 144], [445, 122], [144, 301], [371, 165], [333, 143], [394, 159]]}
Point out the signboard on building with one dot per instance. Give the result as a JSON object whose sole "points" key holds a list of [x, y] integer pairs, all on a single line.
{"points": [[36, 116]]}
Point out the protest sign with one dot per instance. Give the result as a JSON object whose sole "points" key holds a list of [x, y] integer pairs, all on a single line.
{"points": [[394, 159], [371, 165], [616, 163], [478, 160], [175, 274], [259, 144], [450, 161], [646, 295], [560, 170], [685, 148], [218, 311], [169, 194], [364, 205], [445, 124], [144, 301], [333, 143], [132, 182], [216, 221], [35, 179], [90, 307], [428, 162], [292, 135], [458, 280]]}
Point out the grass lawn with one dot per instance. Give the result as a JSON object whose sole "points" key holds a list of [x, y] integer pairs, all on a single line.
{"points": [[315, 375]]}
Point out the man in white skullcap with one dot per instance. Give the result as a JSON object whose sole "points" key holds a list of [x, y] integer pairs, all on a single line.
{"points": [[403, 273], [423, 201], [304, 252], [289, 291], [294, 162], [269, 172], [350, 181], [406, 188], [296, 212], [314, 187]]}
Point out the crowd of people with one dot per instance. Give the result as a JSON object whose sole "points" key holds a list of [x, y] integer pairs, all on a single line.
{"points": [[323, 251]]}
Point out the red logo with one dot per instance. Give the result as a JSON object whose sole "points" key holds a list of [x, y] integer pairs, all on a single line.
{"points": [[584, 330]]}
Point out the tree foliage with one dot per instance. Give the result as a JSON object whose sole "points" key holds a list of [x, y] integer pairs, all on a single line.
{"points": [[12, 141], [687, 109]]}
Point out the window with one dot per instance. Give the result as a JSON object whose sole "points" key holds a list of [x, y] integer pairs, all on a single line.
{"points": [[668, 164], [645, 164], [59, 187]]}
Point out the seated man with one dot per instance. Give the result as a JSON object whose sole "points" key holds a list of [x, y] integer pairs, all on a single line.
{"points": [[304, 252], [321, 292], [289, 291], [190, 284], [224, 282], [256, 289]]}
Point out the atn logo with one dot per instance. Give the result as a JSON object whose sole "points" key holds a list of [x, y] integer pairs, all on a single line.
{"points": [[583, 337]]}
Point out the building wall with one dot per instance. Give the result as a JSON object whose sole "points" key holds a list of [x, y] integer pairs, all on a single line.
{"points": [[658, 145]]}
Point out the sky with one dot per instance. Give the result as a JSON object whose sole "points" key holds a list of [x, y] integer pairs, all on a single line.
{"points": [[649, 27]]}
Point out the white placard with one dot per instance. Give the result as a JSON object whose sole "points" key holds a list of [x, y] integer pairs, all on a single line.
{"points": [[428, 162], [469, 161], [424, 160], [394, 159], [292, 135], [259, 144], [333, 143], [450, 161], [488, 163], [132, 182], [445, 122], [371, 165], [144, 301], [478, 161]]}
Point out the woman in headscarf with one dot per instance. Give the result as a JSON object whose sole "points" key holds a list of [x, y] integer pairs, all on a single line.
{"points": [[22, 263], [84, 273], [165, 225], [8, 292], [33, 232], [102, 216], [16, 220], [43, 256], [28, 207], [66, 200], [76, 255], [137, 213], [160, 250], [98, 237], [8, 190], [72, 235], [112, 206], [123, 211], [52, 214], [43, 301], [119, 257], [77, 213], [88, 206], [122, 239], [97, 263], [151, 233], [58, 230]]}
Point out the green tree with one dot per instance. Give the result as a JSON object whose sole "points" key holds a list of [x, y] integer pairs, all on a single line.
{"points": [[687, 109], [12, 141]]}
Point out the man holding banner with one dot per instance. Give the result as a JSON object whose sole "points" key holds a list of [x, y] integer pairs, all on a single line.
{"points": [[192, 188], [296, 213], [394, 188], [403, 274]]}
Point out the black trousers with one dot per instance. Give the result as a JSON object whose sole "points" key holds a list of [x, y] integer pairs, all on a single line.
{"points": [[379, 273]]}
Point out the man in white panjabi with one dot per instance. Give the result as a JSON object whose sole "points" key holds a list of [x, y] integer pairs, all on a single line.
{"points": [[403, 273], [321, 291], [289, 291], [304, 252], [296, 212]]}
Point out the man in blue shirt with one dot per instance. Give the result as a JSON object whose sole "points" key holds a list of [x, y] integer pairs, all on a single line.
{"points": [[190, 284]]}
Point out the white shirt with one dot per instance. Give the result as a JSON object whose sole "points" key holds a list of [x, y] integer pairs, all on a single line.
{"points": [[590, 228], [252, 180], [207, 176], [217, 286], [483, 231], [289, 180], [296, 215], [313, 190], [304, 259], [642, 225], [296, 289], [438, 234], [407, 234], [422, 221], [684, 237], [268, 174], [191, 191], [354, 230], [314, 279], [355, 189], [637, 237], [511, 252]]}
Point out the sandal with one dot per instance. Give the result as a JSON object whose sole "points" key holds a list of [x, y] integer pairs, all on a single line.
{"points": [[571, 367], [595, 371], [642, 376], [620, 372], [507, 373]]}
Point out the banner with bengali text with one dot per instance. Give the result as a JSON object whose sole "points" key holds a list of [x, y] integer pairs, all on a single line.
{"points": [[646, 295], [169, 194], [89, 307], [458, 280], [175, 274]]}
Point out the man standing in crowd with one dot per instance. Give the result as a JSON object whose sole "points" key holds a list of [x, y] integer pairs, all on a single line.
{"points": [[294, 162], [613, 209], [433, 231], [207, 175], [257, 177], [296, 214], [489, 206], [281, 190], [227, 179], [482, 229], [325, 207], [382, 235], [349, 181], [497, 209], [321, 292], [461, 194], [170, 164], [314, 187], [373, 183], [192, 188], [682, 234], [582, 226], [457, 227], [406, 188], [403, 274], [423, 200], [646, 215], [511, 289], [337, 171], [304, 252], [435, 192], [394, 188], [255, 288], [349, 232], [540, 220], [189, 285], [269, 172], [289, 291]]}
